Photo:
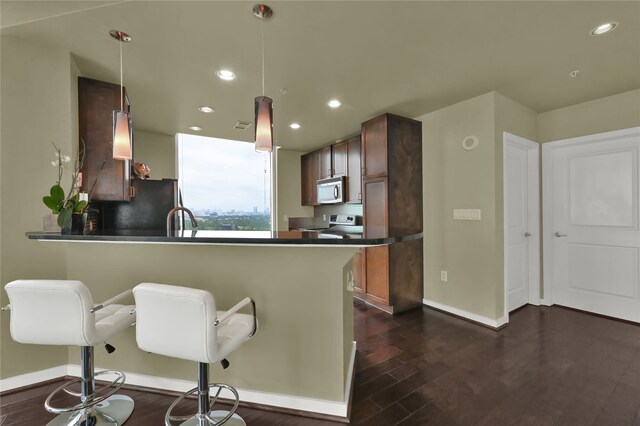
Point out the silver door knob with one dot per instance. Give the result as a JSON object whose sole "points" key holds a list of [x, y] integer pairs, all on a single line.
{"points": [[527, 234], [557, 234]]}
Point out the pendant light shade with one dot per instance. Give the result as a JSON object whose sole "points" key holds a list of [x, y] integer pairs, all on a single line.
{"points": [[263, 104], [121, 135], [122, 131], [264, 124]]}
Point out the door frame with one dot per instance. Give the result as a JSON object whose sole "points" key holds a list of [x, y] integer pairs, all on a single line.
{"points": [[548, 150], [533, 179]]}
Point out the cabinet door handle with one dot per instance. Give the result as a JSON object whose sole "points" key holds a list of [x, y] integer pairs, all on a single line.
{"points": [[359, 195]]}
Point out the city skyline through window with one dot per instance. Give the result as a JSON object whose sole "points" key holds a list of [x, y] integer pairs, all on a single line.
{"points": [[225, 183]]}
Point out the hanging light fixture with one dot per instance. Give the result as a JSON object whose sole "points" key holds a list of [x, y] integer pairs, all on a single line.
{"points": [[122, 132], [263, 104]]}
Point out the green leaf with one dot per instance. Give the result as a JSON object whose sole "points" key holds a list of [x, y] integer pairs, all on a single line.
{"points": [[80, 205], [52, 204], [57, 193], [64, 218]]}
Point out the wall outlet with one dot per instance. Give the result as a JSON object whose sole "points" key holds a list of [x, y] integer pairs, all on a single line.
{"points": [[443, 276], [285, 218], [324, 217]]}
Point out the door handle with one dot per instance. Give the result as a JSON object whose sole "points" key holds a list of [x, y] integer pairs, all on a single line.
{"points": [[527, 234], [559, 235]]}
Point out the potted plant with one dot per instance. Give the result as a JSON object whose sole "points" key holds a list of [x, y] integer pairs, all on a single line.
{"points": [[71, 207]]}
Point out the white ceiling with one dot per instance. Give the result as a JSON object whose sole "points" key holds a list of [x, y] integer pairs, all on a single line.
{"points": [[408, 58]]}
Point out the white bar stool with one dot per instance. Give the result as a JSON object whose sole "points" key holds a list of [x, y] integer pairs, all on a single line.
{"points": [[61, 312], [183, 323]]}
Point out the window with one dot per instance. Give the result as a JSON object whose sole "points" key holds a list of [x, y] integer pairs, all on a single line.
{"points": [[225, 183]]}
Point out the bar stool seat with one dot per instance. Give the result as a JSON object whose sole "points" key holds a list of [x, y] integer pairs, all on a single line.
{"points": [[62, 312], [184, 323]]}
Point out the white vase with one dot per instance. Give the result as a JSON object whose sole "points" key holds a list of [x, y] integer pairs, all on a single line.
{"points": [[50, 223]]}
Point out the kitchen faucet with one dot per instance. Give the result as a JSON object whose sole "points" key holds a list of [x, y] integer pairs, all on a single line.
{"points": [[194, 224]]}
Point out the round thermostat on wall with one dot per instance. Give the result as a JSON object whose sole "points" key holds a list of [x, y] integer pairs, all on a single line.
{"points": [[470, 142]]}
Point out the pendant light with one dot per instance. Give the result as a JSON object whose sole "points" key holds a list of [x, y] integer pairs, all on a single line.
{"points": [[263, 104], [122, 132]]}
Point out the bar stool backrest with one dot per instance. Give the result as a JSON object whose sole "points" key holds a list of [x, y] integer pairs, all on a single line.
{"points": [[51, 312], [176, 322]]}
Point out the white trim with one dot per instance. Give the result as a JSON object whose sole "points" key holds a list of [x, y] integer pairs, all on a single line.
{"points": [[333, 408], [31, 378], [350, 372], [533, 159], [547, 195], [497, 323]]}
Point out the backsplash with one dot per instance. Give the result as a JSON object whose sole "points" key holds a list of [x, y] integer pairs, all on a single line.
{"points": [[329, 209]]}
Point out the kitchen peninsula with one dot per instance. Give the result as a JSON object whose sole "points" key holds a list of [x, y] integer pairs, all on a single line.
{"points": [[302, 356]]}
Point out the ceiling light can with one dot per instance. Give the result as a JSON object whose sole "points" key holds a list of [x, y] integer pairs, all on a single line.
{"points": [[334, 103], [294, 125], [206, 109], [226, 75], [605, 28], [195, 128]]}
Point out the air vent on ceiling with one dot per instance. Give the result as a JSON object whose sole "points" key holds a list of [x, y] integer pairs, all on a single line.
{"points": [[242, 125]]}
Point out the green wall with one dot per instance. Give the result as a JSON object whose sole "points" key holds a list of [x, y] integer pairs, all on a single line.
{"points": [[156, 150], [615, 112], [36, 109]]}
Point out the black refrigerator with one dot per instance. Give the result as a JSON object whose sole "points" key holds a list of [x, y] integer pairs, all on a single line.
{"points": [[151, 202]]}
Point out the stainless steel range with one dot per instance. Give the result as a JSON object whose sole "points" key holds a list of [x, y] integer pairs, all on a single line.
{"points": [[343, 226]]}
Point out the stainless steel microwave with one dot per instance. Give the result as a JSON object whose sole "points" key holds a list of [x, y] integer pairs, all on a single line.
{"points": [[331, 191]]}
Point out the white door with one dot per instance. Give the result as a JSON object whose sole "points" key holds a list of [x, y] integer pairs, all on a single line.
{"points": [[592, 240], [521, 217]]}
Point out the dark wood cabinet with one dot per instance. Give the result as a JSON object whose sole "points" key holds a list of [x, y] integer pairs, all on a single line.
{"points": [[354, 176], [326, 166], [392, 205], [374, 147], [310, 173], [339, 158], [375, 208], [96, 102], [377, 272]]}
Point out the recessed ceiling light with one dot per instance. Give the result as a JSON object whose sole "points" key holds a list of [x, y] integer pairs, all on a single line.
{"points": [[206, 109], [334, 103], [195, 128], [226, 74], [294, 125], [604, 28]]}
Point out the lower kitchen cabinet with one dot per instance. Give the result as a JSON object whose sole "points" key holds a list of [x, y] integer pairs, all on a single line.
{"points": [[392, 276], [377, 272]]}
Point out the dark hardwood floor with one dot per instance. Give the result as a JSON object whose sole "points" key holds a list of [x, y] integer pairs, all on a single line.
{"points": [[550, 366]]}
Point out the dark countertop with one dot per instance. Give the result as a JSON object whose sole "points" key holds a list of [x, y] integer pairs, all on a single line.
{"points": [[225, 237]]}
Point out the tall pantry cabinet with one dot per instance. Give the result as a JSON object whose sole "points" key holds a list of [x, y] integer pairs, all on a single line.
{"points": [[391, 155]]}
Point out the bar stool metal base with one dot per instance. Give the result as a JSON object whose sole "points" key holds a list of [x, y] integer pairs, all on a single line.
{"points": [[234, 420], [113, 411]]}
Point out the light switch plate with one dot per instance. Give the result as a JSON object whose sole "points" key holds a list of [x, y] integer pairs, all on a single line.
{"points": [[443, 276], [467, 214]]}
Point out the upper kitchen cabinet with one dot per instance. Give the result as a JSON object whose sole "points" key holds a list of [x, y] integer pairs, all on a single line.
{"points": [[326, 162], [339, 158], [309, 175], [354, 178], [392, 169], [96, 102]]}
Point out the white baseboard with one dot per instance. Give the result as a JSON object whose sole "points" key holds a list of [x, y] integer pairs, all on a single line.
{"points": [[31, 378], [546, 302], [333, 408], [493, 323]]}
